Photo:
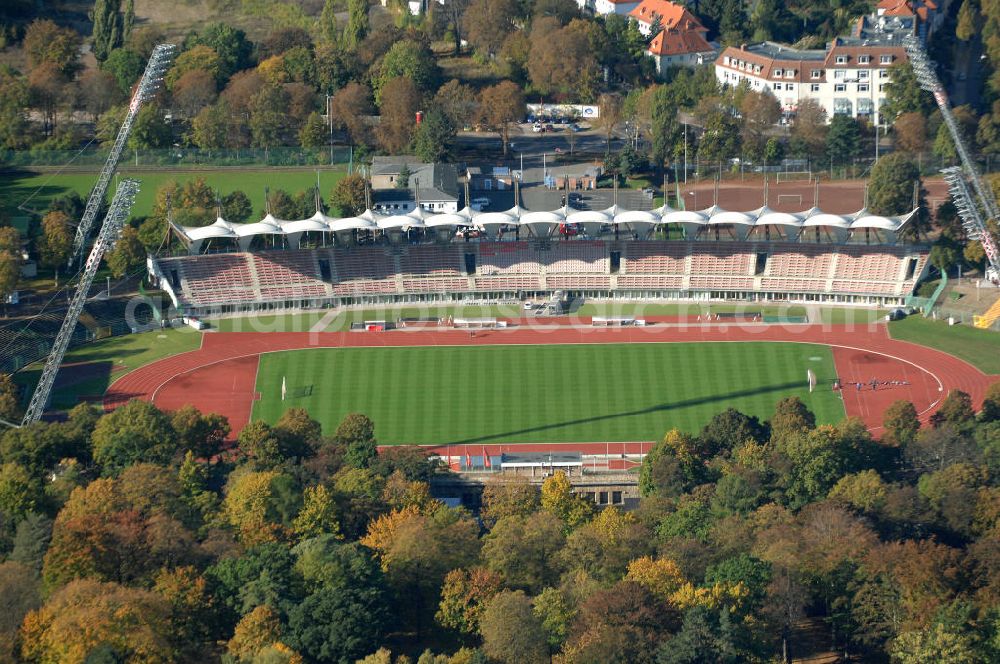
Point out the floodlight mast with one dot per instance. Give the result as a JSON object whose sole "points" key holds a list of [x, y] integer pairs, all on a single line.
{"points": [[148, 84], [958, 178], [121, 207]]}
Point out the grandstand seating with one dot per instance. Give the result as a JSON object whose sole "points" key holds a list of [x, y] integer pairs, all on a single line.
{"points": [[296, 276], [430, 261], [508, 258], [577, 257], [720, 258], [646, 281], [800, 261], [656, 258], [868, 264], [586, 281]]}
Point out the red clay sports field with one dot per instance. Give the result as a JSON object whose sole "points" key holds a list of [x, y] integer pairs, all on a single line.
{"points": [[221, 376]]}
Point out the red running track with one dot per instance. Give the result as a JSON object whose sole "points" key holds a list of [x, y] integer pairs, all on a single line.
{"points": [[221, 375]]}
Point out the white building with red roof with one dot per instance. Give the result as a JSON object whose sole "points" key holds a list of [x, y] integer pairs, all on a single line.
{"points": [[605, 7], [680, 40]]}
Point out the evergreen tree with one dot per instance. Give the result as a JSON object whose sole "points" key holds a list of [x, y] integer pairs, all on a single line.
{"points": [[108, 27], [357, 23]]}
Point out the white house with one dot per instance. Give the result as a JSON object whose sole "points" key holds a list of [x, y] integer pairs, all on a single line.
{"points": [[849, 77], [603, 7], [670, 16]]}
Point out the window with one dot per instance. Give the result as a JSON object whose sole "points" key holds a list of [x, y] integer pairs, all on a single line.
{"points": [[841, 59], [864, 59], [778, 73], [862, 87], [814, 87], [885, 59], [815, 73], [789, 86], [840, 74], [863, 74], [840, 87], [789, 73], [881, 88], [883, 73], [776, 86]]}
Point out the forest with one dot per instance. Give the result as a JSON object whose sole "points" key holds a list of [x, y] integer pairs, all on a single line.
{"points": [[142, 536]]}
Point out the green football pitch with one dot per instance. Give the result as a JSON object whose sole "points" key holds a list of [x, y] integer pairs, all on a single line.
{"points": [[543, 393]]}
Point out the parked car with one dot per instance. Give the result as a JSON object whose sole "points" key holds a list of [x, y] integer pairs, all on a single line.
{"points": [[575, 127], [549, 127], [537, 128]]}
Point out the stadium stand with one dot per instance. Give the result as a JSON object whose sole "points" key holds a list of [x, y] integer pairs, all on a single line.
{"points": [[500, 270], [374, 259]]}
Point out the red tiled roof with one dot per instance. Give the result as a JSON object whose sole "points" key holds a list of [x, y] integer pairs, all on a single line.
{"points": [[678, 42], [671, 15]]}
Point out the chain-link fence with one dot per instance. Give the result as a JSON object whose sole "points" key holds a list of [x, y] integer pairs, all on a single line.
{"points": [[94, 157]]}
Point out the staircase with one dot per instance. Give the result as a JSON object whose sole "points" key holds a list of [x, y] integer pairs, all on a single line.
{"points": [[986, 320]]}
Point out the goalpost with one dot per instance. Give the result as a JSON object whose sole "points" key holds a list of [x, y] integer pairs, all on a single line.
{"points": [[790, 199], [793, 176], [811, 379]]}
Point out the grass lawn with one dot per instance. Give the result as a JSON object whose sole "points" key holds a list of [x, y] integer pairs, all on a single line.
{"points": [[980, 348], [846, 315], [544, 393], [15, 190], [103, 362]]}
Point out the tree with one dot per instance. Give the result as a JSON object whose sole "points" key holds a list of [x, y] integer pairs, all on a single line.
{"points": [[89, 617], [561, 59], [705, 636], [47, 43], [318, 515], [127, 254], [901, 424], [507, 497], [234, 50], [610, 114], [56, 240], [13, 102], [410, 59], [809, 128], [236, 206], [956, 408], [150, 130], [10, 407], [47, 92], [255, 631], [98, 92], [195, 90], [501, 105], [843, 139], [935, 645], [201, 434], [903, 93], [357, 23], [433, 136], [260, 505], [400, 103], [126, 66], [349, 195], [511, 632], [268, 116], [559, 499], [350, 105], [943, 255], [910, 130], [109, 28], [524, 550], [10, 261], [136, 432], [338, 623], [356, 432], [457, 102], [761, 111], [20, 593], [968, 21], [313, 133], [890, 188], [328, 21], [790, 417], [487, 23], [464, 597], [20, 493], [622, 623]]}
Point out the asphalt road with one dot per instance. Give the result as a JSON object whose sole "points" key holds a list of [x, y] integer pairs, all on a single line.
{"points": [[523, 142]]}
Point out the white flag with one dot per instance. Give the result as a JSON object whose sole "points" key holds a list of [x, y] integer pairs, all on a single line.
{"points": [[283, 388]]}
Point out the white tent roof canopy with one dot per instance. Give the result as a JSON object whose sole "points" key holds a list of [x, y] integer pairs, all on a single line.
{"points": [[369, 220]]}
